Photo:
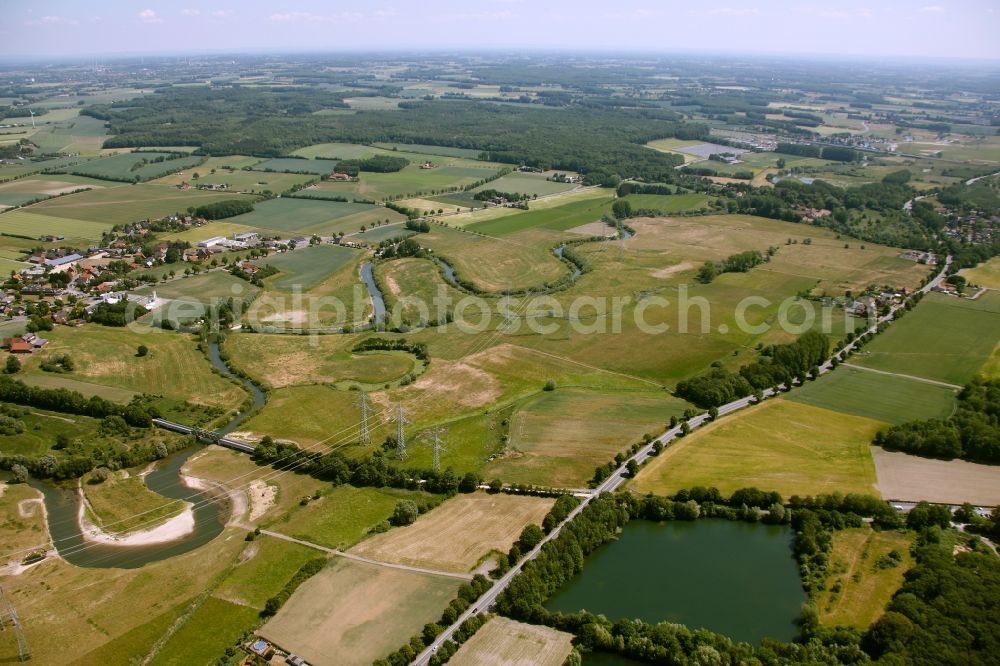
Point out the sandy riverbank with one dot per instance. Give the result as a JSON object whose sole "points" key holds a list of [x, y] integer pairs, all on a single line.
{"points": [[172, 529]]}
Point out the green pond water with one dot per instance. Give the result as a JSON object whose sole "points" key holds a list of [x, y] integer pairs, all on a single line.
{"points": [[737, 579]]}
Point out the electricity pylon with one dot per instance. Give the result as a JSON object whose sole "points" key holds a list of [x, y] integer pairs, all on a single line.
{"points": [[7, 612], [401, 422], [438, 447], [364, 405]]}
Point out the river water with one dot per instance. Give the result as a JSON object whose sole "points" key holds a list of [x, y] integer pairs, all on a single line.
{"points": [[738, 579], [378, 302], [210, 511]]}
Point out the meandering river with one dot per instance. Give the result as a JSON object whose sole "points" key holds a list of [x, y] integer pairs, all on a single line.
{"points": [[62, 504]]}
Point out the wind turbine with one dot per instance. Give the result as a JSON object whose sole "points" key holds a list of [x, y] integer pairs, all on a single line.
{"points": [[32, 118]]}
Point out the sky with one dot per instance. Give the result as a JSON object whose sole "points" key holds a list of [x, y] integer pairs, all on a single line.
{"points": [[866, 28]]}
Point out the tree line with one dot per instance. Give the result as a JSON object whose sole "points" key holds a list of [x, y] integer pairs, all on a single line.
{"points": [[778, 364], [971, 433], [734, 263]]}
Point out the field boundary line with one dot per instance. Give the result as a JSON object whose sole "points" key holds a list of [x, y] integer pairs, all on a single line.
{"points": [[902, 376], [366, 560]]}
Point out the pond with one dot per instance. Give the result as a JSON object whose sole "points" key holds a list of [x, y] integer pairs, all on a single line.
{"points": [[734, 578]]}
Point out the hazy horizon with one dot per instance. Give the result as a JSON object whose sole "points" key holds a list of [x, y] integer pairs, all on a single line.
{"points": [[854, 29]]}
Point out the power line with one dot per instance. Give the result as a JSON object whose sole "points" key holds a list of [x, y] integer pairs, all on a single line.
{"points": [[365, 436], [401, 422], [7, 611]]}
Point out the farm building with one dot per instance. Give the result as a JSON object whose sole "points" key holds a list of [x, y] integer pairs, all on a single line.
{"points": [[247, 237], [210, 242], [339, 177], [62, 263]]}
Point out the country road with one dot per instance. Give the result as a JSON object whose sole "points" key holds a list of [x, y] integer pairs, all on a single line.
{"points": [[619, 477]]}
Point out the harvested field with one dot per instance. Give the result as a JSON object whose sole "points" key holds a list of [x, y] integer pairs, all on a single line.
{"points": [[558, 438], [353, 613], [458, 534], [912, 478], [503, 642], [780, 445]]}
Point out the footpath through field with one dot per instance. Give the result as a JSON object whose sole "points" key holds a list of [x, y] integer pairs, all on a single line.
{"points": [[358, 558], [902, 376]]}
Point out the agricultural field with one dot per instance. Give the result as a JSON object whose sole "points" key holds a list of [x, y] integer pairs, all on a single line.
{"points": [[174, 368], [858, 589], [304, 216], [353, 613], [674, 146], [239, 180], [306, 267], [876, 396], [526, 183], [123, 205], [191, 644], [458, 534], [559, 437], [780, 445], [560, 218], [504, 642], [26, 223], [912, 478], [73, 134], [443, 151], [135, 167], [944, 338], [289, 165], [986, 274], [33, 188], [669, 204]]}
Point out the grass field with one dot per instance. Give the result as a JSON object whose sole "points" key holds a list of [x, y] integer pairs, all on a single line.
{"points": [[22, 523], [912, 478], [173, 367], [444, 151], [29, 224], [263, 570], [289, 165], [192, 645], [558, 438], [134, 610], [311, 414], [857, 591], [504, 642], [353, 613], [238, 181], [41, 430], [493, 264], [526, 183], [285, 360], [792, 448], [123, 503], [306, 267], [123, 205], [672, 203], [305, 216], [410, 283], [343, 515], [457, 535], [943, 338], [237, 470], [135, 165], [559, 218], [986, 274], [876, 396]]}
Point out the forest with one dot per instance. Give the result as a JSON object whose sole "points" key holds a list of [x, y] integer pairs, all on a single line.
{"points": [[265, 123]]}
